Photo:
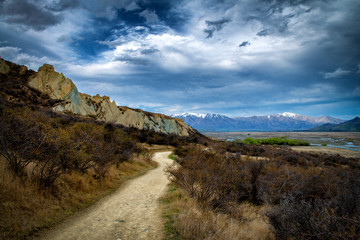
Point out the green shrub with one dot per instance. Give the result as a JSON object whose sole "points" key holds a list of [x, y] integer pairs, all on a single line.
{"points": [[250, 141], [276, 141]]}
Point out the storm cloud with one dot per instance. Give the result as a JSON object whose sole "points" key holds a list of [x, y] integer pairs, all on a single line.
{"points": [[244, 44], [27, 14], [214, 26], [235, 57]]}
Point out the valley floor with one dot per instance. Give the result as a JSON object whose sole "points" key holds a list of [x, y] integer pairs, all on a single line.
{"points": [[329, 150]]}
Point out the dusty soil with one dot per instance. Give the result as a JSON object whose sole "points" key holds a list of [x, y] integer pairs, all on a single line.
{"points": [[132, 212]]}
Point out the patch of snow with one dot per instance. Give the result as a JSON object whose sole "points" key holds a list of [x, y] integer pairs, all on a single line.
{"points": [[286, 114], [199, 115]]}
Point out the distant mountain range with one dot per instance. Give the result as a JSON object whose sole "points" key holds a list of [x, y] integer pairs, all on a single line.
{"points": [[277, 122], [348, 126]]}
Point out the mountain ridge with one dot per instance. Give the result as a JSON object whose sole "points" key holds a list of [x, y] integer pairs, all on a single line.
{"points": [[70, 100], [352, 125], [276, 122]]}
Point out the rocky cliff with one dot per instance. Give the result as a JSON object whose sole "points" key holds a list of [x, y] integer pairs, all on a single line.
{"points": [[57, 86]]}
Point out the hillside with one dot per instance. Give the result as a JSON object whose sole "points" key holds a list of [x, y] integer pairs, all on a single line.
{"points": [[276, 122], [54, 164], [101, 108], [348, 126]]}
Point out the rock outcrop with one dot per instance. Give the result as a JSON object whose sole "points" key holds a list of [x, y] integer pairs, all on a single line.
{"points": [[57, 86], [4, 68]]}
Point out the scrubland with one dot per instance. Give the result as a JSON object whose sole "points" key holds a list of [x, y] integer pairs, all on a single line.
{"points": [[52, 165], [220, 192]]}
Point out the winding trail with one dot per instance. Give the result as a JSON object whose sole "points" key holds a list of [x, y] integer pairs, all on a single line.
{"points": [[132, 212]]}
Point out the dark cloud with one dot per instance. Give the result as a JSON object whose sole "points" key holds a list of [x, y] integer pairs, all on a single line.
{"points": [[62, 5], [271, 14], [27, 14], [214, 26], [311, 61], [133, 60], [263, 33], [244, 44], [28, 44], [149, 51], [218, 25], [209, 32]]}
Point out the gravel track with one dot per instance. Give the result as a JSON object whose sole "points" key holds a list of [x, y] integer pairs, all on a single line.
{"points": [[132, 212]]}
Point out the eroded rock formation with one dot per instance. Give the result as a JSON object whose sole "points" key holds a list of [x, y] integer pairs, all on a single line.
{"points": [[57, 86]]}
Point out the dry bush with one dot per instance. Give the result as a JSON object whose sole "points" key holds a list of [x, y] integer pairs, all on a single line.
{"points": [[301, 219], [215, 178], [52, 165], [307, 199], [185, 220], [26, 208]]}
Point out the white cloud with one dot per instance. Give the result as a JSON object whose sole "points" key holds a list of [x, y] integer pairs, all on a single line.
{"points": [[8, 52], [16, 55], [98, 69], [338, 73]]}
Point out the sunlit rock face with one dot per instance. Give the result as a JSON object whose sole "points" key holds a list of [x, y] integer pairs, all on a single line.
{"points": [[4, 68], [57, 86]]}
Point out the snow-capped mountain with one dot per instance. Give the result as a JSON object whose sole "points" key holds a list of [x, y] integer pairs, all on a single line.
{"points": [[206, 121], [319, 120], [199, 115], [285, 114], [277, 122]]}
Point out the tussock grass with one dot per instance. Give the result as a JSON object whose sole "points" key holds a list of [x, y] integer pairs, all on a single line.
{"points": [[157, 148], [186, 220], [172, 157], [26, 209]]}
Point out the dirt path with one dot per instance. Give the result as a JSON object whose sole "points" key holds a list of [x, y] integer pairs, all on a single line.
{"points": [[132, 212]]}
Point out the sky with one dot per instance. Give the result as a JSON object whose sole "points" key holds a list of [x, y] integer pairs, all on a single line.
{"points": [[232, 57]]}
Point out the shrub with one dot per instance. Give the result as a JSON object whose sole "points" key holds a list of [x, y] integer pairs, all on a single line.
{"points": [[309, 196], [276, 141]]}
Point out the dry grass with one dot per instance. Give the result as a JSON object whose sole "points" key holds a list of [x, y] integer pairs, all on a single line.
{"points": [[185, 220], [157, 148], [25, 209]]}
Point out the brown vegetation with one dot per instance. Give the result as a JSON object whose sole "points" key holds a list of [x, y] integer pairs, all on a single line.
{"points": [[186, 220], [53, 164], [308, 195], [27, 208]]}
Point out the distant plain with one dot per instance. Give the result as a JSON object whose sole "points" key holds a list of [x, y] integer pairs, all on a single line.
{"points": [[343, 143]]}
